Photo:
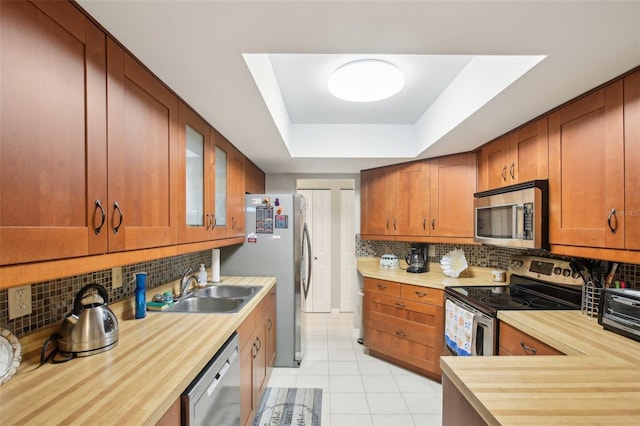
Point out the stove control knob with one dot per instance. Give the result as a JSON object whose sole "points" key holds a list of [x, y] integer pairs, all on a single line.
{"points": [[575, 275], [557, 270], [566, 272]]}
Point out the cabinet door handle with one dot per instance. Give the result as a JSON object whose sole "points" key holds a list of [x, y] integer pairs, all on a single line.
{"points": [[394, 225], [527, 348], [116, 207], [612, 214], [104, 216], [214, 222], [400, 334], [208, 221], [387, 225], [421, 293], [512, 170], [259, 344], [254, 350], [269, 324], [401, 305], [504, 173], [382, 286], [433, 224], [424, 224]]}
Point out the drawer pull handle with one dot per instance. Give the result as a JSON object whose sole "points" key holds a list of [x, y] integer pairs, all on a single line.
{"points": [[400, 305], [527, 348], [421, 293], [382, 286], [400, 334]]}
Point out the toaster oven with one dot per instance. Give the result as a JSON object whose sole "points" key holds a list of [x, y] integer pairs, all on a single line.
{"points": [[619, 311]]}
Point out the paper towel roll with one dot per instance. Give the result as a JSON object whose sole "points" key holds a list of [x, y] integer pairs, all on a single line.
{"points": [[215, 265]]}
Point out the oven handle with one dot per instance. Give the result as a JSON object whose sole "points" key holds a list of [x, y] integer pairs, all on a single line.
{"points": [[474, 334]]}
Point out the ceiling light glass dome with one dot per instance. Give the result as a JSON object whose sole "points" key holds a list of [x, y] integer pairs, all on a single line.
{"points": [[366, 80]]}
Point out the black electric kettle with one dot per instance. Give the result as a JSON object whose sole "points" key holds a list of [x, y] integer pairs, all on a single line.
{"points": [[92, 327]]}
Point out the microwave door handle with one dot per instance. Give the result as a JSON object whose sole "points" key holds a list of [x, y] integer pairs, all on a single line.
{"points": [[518, 221]]}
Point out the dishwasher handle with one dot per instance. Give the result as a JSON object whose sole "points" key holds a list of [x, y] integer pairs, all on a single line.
{"points": [[222, 372]]}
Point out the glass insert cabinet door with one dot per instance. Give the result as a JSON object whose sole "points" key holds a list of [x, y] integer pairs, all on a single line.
{"points": [[194, 177], [221, 187]]}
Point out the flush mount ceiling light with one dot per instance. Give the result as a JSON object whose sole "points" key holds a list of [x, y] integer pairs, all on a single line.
{"points": [[366, 80]]}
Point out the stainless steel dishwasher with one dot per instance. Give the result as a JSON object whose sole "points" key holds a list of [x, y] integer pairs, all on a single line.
{"points": [[213, 398]]}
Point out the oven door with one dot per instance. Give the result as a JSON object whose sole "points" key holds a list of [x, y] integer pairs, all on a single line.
{"points": [[460, 318]]}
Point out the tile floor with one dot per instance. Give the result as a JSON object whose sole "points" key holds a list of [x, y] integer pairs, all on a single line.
{"points": [[359, 389]]}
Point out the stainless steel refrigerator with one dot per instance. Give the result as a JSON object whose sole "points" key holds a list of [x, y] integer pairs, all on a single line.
{"points": [[277, 244]]}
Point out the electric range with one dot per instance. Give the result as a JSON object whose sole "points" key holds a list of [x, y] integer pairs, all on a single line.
{"points": [[535, 283]]}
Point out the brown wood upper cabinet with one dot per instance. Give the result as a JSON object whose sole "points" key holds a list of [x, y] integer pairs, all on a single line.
{"points": [[254, 179], [586, 170], [142, 156], [517, 157], [53, 151], [430, 198], [452, 184], [632, 160], [229, 191], [197, 177]]}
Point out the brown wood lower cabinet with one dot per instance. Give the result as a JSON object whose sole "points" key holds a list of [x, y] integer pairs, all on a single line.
{"points": [[404, 324], [257, 354], [516, 342]]}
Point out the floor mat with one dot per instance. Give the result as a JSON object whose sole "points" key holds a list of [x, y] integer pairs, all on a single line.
{"points": [[289, 406]]}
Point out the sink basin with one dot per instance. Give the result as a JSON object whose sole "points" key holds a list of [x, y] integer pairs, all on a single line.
{"points": [[207, 305], [218, 291], [216, 299]]}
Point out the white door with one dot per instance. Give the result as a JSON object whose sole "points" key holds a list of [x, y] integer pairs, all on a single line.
{"points": [[318, 218], [348, 286]]}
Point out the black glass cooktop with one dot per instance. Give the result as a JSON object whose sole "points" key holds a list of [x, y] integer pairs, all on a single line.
{"points": [[521, 294]]}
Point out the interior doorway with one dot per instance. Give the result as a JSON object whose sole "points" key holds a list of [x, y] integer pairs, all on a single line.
{"points": [[331, 220]]}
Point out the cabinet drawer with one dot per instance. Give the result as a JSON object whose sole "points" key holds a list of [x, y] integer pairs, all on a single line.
{"points": [[402, 329], [420, 294], [402, 309], [515, 342], [422, 356], [387, 288]]}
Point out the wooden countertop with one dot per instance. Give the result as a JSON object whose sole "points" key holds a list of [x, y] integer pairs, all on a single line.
{"points": [[598, 382], [369, 267], [135, 382]]}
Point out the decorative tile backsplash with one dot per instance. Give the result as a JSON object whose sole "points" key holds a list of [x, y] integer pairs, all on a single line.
{"points": [[52, 300], [477, 255]]}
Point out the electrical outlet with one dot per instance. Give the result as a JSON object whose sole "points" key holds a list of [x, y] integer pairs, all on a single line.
{"points": [[116, 277], [432, 251], [19, 301]]}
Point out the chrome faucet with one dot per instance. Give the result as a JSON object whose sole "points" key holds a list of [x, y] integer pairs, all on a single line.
{"points": [[185, 281]]}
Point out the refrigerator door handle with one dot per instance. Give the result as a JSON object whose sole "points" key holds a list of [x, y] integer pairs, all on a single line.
{"points": [[306, 284]]}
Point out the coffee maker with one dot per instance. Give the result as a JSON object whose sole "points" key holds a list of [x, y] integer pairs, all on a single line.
{"points": [[417, 258]]}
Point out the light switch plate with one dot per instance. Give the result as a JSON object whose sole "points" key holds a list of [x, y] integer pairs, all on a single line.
{"points": [[19, 301], [116, 277]]}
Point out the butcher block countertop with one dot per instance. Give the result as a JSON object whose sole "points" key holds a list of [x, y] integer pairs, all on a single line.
{"points": [[369, 267], [134, 383], [598, 382]]}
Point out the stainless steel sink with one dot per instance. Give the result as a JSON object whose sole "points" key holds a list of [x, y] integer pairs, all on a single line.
{"points": [[207, 305], [222, 290], [216, 299]]}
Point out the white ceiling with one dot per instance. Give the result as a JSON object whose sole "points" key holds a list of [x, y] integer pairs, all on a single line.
{"points": [[256, 70]]}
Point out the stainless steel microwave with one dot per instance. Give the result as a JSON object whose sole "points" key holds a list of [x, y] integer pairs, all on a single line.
{"points": [[513, 216]]}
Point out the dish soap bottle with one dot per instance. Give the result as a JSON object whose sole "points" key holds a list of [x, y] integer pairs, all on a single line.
{"points": [[202, 276], [141, 296]]}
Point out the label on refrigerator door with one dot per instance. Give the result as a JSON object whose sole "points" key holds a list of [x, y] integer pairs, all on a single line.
{"points": [[282, 221], [264, 220], [252, 238]]}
